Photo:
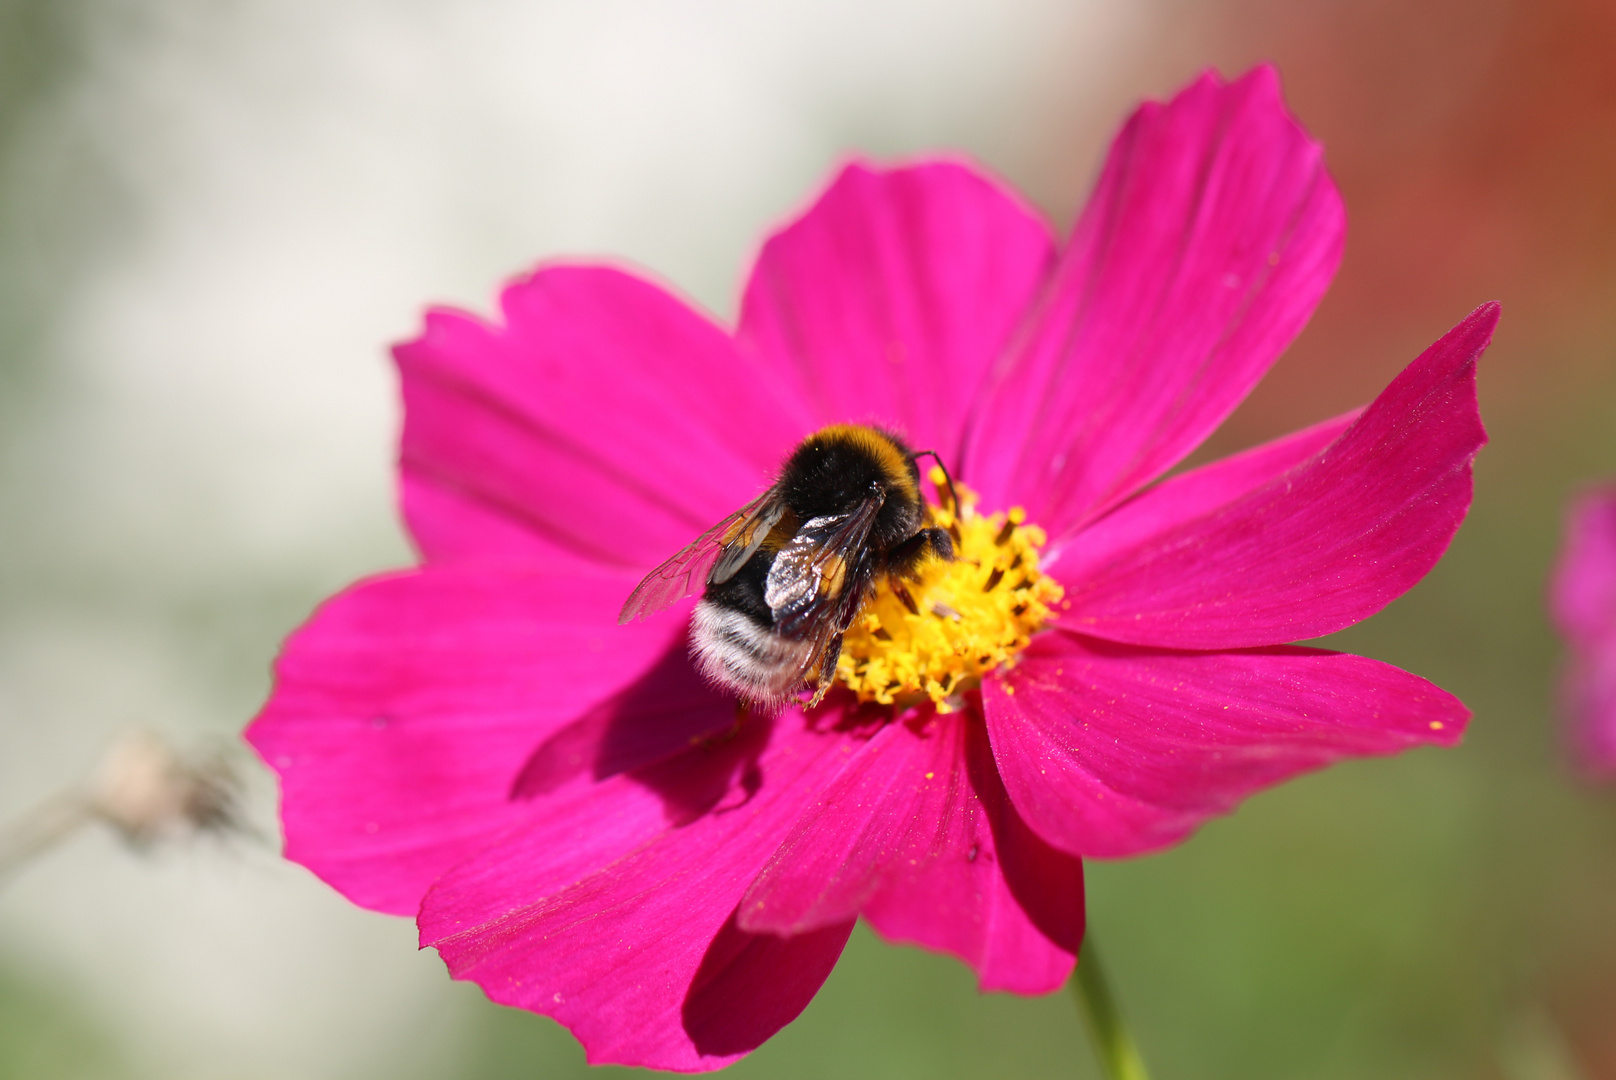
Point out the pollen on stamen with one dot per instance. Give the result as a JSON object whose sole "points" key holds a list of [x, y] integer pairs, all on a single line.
{"points": [[935, 638]]}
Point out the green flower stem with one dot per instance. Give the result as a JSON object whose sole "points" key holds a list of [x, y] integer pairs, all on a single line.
{"points": [[1119, 1057]]}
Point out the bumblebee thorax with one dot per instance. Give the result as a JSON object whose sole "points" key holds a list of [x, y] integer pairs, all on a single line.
{"points": [[837, 466]]}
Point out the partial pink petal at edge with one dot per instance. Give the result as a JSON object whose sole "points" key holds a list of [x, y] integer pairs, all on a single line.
{"points": [[1583, 592], [1318, 548], [1113, 750], [1583, 602], [1588, 689]]}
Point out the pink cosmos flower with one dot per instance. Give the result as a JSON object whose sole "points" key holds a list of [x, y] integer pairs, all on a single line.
{"points": [[584, 827], [1583, 600]]}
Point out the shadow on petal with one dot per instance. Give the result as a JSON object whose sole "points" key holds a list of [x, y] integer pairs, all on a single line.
{"points": [[1046, 882], [716, 776], [667, 710]]}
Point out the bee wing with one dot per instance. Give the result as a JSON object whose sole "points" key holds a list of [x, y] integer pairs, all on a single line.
{"points": [[761, 517], [820, 575], [713, 556]]}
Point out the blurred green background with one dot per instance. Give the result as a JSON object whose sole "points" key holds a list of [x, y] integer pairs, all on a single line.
{"points": [[215, 215]]}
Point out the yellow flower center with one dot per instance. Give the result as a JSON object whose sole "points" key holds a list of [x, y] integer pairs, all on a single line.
{"points": [[935, 638]]}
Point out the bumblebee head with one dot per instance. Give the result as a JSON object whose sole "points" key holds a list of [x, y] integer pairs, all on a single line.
{"points": [[836, 466]]}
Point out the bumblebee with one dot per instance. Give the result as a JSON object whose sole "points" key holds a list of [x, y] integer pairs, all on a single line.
{"points": [[786, 574]]}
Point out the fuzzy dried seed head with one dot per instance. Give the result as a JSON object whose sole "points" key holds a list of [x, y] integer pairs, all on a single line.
{"points": [[148, 791]]}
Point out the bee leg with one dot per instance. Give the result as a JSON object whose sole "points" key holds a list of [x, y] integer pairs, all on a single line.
{"points": [[743, 712], [953, 496], [825, 670], [905, 559]]}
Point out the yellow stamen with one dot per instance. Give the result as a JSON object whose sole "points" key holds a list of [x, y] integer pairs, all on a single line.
{"points": [[935, 638]]}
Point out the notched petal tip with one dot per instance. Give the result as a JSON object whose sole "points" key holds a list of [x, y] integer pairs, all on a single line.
{"points": [[891, 294], [544, 436], [1211, 235], [1263, 83], [1321, 547], [405, 705], [1111, 751]]}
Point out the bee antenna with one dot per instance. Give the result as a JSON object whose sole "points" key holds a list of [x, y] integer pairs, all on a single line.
{"points": [[953, 497]]}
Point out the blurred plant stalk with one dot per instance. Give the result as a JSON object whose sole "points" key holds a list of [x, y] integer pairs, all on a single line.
{"points": [[144, 789], [1113, 1044]]}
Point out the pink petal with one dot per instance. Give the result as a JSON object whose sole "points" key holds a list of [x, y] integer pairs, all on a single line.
{"points": [[1318, 548], [659, 714], [405, 709], [1111, 750], [1212, 234], [918, 835], [605, 424], [1188, 496], [890, 297], [1583, 600], [1589, 690], [1009, 904], [598, 914], [1583, 593]]}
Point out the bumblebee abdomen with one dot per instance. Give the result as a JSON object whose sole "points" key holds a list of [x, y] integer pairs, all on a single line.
{"points": [[735, 650]]}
